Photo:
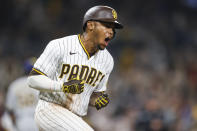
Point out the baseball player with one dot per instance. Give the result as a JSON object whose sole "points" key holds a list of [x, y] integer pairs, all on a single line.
{"points": [[21, 101], [73, 71]]}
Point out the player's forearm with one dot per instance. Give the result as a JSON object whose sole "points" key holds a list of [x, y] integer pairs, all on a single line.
{"points": [[43, 83]]}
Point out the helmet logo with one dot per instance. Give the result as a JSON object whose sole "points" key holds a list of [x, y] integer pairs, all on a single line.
{"points": [[114, 14]]}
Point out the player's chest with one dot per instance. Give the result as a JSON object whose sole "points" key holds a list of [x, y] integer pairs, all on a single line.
{"points": [[91, 70], [80, 60]]}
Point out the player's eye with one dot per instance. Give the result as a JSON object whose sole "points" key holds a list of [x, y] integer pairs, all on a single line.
{"points": [[107, 25]]}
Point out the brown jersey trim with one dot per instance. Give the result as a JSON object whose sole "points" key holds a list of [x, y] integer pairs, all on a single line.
{"points": [[79, 37], [36, 72]]}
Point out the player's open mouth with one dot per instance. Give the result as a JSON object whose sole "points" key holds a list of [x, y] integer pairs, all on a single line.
{"points": [[107, 41]]}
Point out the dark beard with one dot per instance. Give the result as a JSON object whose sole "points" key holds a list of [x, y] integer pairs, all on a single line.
{"points": [[99, 47]]}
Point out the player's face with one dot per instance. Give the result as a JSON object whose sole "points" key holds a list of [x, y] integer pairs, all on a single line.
{"points": [[104, 32]]}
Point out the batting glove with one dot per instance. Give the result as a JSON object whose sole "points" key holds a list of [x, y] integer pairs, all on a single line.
{"points": [[101, 101], [74, 86]]}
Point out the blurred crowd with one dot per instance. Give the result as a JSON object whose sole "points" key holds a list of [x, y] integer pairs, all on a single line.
{"points": [[154, 82]]}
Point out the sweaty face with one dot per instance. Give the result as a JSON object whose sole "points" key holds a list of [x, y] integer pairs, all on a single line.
{"points": [[103, 32]]}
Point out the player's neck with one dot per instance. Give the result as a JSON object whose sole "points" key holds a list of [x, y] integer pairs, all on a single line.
{"points": [[89, 44]]}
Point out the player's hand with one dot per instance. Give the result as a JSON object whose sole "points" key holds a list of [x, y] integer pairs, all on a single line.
{"points": [[101, 101], [74, 86]]}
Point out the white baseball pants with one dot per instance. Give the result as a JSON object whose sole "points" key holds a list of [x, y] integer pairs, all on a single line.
{"points": [[53, 117]]}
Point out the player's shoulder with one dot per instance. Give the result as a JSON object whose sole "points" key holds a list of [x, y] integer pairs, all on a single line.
{"points": [[107, 55], [65, 40], [61, 44], [107, 59]]}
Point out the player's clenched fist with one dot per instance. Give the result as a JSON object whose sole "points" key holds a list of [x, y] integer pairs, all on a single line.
{"points": [[74, 86], [101, 101]]}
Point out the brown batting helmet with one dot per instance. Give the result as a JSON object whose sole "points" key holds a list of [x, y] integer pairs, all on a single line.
{"points": [[103, 14]]}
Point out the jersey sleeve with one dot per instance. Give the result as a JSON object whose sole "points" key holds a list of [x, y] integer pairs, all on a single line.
{"points": [[102, 86], [49, 60]]}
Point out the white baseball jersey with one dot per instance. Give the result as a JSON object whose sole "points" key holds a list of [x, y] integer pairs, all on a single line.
{"points": [[22, 100], [67, 57]]}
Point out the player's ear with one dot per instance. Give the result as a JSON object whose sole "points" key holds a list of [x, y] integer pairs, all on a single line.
{"points": [[90, 25]]}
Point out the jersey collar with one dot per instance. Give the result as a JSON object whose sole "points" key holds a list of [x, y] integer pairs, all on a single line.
{"points": [[88, 55]]}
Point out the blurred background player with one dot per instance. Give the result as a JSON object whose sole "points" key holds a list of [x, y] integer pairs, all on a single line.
{"points": [[5, 119], [21, 101]]}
